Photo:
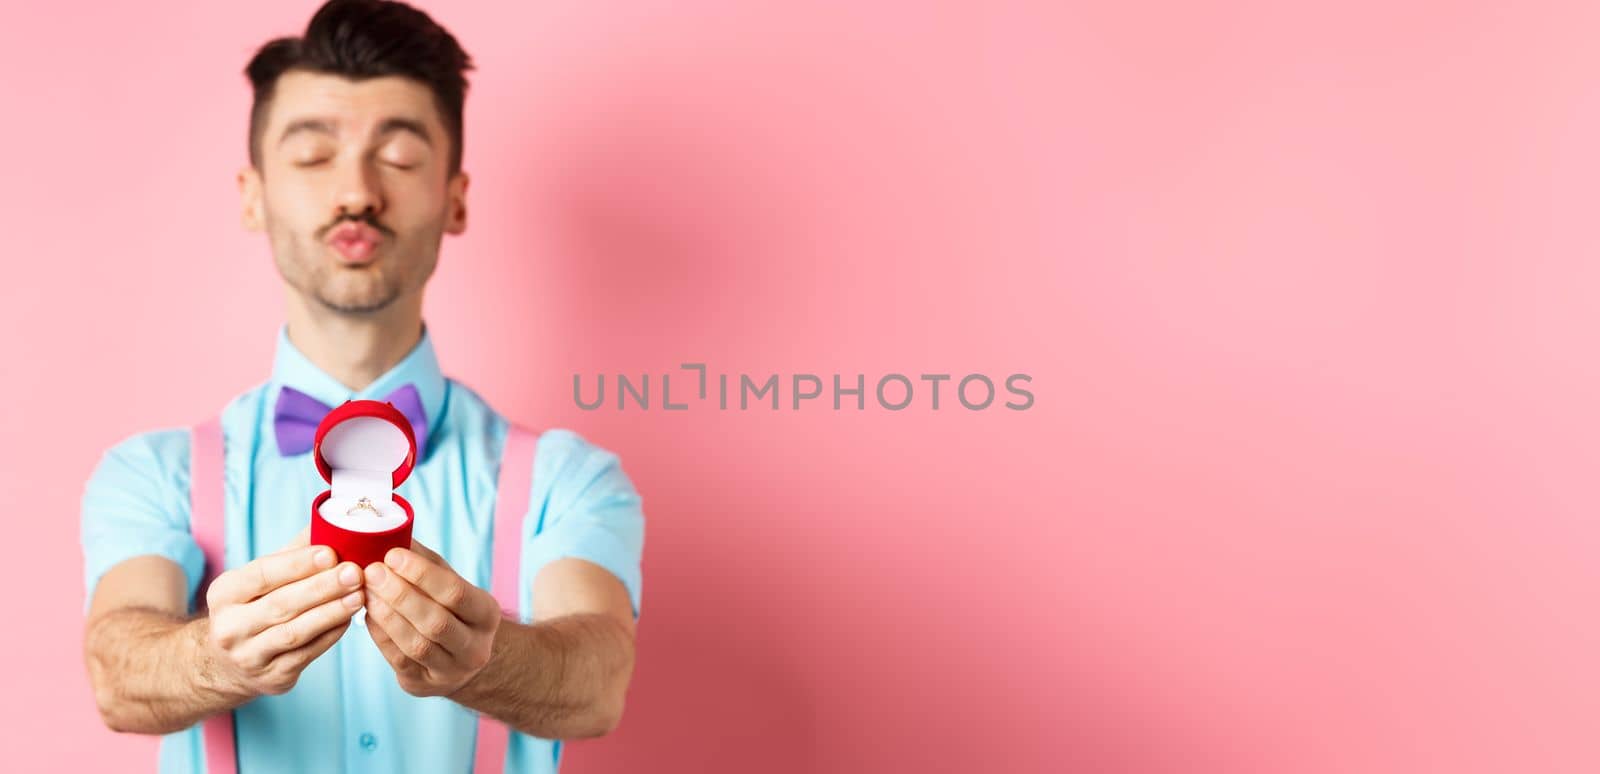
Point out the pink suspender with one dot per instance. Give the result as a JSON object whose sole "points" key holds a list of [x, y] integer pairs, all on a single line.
{"points": [[206, 522], [511, 504]]}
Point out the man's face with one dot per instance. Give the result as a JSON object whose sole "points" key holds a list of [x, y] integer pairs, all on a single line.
{"points": [[353, 188]]}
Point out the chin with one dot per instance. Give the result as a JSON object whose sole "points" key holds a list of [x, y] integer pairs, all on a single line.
{"points": [[357, 303]]}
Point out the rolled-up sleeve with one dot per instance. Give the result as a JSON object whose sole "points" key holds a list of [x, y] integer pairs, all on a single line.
{"points": [[583, 505], [136, 503]]}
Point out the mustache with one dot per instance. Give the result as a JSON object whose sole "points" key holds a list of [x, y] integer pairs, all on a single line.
{"points": [[361, 217]]}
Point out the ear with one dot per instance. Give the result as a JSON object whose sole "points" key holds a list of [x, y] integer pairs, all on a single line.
{"points": [[251, 214], [456, 196]]}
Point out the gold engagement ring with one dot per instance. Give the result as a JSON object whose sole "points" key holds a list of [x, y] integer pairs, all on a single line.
{"points": [[364, 503]]}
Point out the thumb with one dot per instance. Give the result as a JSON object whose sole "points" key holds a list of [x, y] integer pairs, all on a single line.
{"points": [[299, 541], [428, 553]]}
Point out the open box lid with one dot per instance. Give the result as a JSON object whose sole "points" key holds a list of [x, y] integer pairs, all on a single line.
{"points": [[367, 435]]}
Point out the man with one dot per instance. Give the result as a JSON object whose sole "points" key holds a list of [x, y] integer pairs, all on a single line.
{"points": [[355, 176]]}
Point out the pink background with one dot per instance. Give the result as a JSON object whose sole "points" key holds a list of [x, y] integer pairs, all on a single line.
{"points": [[1309, 299]]}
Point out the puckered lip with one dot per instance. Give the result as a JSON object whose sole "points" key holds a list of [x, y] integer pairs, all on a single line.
{"points": [[354, 232]]}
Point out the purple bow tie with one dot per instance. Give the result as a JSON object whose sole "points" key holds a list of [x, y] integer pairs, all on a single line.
{"points": [[295, 418]]}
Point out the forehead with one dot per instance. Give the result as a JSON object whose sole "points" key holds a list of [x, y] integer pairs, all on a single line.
{"points": [[350, 104]]}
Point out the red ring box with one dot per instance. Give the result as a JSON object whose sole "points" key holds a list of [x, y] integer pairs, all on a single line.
{"points": [[363, 448]]}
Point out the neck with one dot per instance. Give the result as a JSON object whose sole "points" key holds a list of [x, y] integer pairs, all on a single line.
{"points": [[355, 349]]}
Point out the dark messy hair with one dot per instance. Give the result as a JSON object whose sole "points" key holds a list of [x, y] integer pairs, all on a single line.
{"points": [[360, 39]]}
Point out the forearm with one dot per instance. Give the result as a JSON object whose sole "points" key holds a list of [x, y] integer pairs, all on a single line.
{"points": [[563, 678], [151, 673]]}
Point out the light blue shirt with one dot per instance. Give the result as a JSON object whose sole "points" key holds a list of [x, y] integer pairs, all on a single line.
{"points": [[347, 712]]}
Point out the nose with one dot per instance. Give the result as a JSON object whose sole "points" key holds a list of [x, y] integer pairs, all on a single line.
{"points": [[359, 189]]}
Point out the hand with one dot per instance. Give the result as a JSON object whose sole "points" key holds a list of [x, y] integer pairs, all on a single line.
{"points": [[436, 629], [273, 616]]}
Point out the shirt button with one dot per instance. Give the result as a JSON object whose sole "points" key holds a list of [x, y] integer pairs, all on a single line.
{"points": [[369, 742]]}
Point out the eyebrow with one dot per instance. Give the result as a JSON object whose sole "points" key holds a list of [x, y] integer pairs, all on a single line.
{"points": [[392, 125], [389, 126], [316, 125]]}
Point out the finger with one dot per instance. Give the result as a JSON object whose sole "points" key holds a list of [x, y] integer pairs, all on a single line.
{"points": [[443, 585], [426, 615], [426, 652], [392, 653], [267, 573], [300, 630], [286, 602], [298, 658]]}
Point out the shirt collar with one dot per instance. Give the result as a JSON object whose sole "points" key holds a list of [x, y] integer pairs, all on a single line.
{"points": [[420, 368]]}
